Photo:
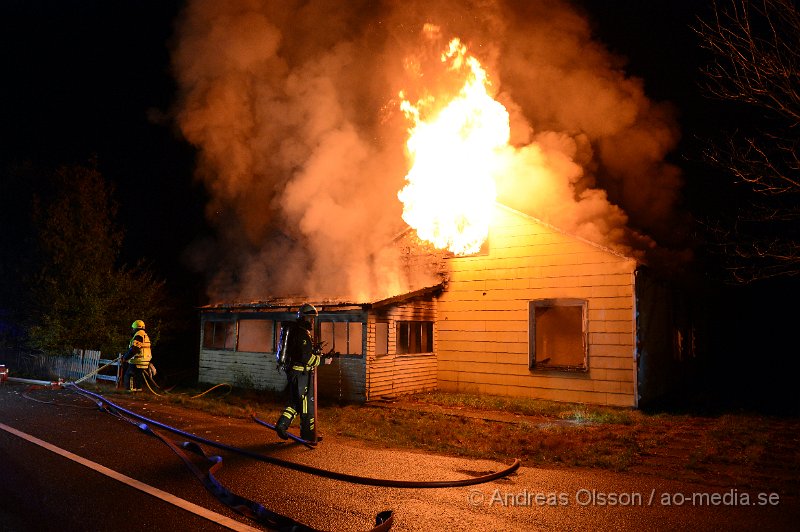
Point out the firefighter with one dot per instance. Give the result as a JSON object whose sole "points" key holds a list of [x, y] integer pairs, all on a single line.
{"points": [[138, 357], [298, 355]]}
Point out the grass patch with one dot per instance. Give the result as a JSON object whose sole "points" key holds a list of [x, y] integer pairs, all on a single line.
{"points": [[546, 440], [530, 407], [544, 434], [738, 439]]}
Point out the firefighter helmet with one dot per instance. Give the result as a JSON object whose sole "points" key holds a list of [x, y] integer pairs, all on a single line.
{"points": [[307, 310], [138, 324]]}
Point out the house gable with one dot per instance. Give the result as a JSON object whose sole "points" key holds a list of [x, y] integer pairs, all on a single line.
{"points": [[484, 315]]}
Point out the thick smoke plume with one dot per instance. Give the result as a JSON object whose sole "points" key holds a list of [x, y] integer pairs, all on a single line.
{"points": [[293, 107]]}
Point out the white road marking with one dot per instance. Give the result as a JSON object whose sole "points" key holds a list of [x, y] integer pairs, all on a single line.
{"points": [[155, 492]]}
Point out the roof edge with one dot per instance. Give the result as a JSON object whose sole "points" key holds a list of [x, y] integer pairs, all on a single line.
{"points": [[291, 304], [559, 230], [428, 290]]}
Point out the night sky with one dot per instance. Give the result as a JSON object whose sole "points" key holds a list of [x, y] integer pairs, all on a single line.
{"points": [[93, 78]]}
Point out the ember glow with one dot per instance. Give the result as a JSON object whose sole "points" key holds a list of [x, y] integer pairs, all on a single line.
{"points": [[455, 148]]}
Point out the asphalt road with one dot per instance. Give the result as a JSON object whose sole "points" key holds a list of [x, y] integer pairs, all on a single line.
{"points": [[43, 490]]}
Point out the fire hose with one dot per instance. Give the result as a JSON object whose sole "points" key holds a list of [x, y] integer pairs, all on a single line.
{"points": [[254, 510], [98, 370], [150, 382], [242, 505], [345, 477]]}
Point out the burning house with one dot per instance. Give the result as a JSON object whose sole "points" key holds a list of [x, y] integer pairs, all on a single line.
{"points": [[308, 136], [536, 313]]}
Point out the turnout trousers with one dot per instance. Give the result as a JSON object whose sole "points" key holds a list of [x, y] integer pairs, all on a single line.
{"points": [[133, 378], [301, 402]]}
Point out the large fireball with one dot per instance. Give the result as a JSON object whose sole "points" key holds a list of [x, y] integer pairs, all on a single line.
{"points": [[454, 147]]}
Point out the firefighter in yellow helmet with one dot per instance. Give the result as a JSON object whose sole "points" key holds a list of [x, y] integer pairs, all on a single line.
{"points": [[298, 356], [138, 357]]}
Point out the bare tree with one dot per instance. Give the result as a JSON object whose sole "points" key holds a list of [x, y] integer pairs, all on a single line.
{"points": [[755, 45]]}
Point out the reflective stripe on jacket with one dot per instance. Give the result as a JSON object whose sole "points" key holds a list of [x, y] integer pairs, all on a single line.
{"points": [[140, 343], [312, 363]]}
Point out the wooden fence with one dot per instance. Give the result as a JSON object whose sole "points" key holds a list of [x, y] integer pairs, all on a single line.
{"points": [[82, 362], [70, 368]]}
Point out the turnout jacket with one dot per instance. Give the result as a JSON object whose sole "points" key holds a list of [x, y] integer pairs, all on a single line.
{"points": [[139, 353], [296, 349]]}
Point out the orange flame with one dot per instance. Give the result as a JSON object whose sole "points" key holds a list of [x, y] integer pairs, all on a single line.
{"points": [[455, 153]]}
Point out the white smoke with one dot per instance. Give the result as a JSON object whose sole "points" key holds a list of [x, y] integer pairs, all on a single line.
{"points": [[300, 140]]}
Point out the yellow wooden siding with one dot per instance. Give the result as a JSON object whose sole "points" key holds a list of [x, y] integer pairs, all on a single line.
{"points": [[482, 326], [393, 374]]}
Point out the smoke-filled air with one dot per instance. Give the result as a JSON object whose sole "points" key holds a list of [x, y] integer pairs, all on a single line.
{"points": [[301, 113]]}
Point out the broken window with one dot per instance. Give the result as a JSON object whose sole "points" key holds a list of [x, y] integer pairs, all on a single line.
{"points": [[343, 337], [558, 334], [219, 335], [256, 336], [414, 337]]}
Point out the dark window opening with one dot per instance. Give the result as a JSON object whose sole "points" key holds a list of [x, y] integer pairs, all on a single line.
{"points": [[558, 334], [414, 337], [219, 335]]}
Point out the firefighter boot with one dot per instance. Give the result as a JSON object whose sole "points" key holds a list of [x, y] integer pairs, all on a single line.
{"points": [[307, 430], [283, 423]]}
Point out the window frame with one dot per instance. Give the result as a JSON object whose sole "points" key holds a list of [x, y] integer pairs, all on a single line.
{"points": [[272, 342], [427, 324], [348, 334], [535, 365], [382, 324], [216, 323]]}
